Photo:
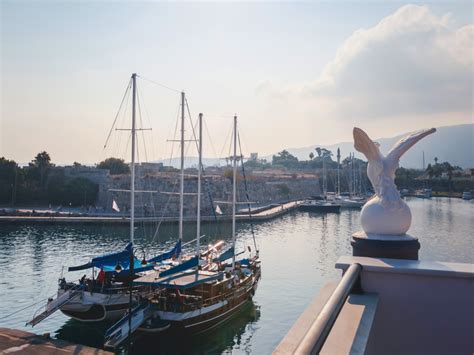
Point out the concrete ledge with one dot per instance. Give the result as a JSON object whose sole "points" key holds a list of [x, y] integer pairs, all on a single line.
{"points": [[14, 341], [417, 267], [350, 332]]}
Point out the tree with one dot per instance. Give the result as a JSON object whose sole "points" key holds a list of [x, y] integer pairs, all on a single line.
{"points": [[76, 191], [430, 171], [318, 150], [436, 160], [284, 158], [7, 170], [115, 166], [8, 180], [311, 156], [42, 162], [326, 153]]}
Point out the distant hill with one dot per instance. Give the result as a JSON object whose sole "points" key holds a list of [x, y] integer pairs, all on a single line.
{"points": [[454, 144], [450, 143]]}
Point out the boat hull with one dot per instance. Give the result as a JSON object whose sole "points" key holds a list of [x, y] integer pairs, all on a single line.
{"points": [[320, 208], [97, 307], [207, 318]]}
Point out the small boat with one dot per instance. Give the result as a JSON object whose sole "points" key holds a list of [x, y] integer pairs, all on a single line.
{"points": [[424, 193], [355, 202], [467, 195], [320, 206]]}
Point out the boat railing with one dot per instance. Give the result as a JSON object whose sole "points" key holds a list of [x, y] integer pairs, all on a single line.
{"points": [[319, 330]]}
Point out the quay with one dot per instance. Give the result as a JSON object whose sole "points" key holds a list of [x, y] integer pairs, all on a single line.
{"points": [[258, 214], [14, 341]]}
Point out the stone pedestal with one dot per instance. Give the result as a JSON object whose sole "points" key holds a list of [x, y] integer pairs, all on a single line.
{"points": [[385, 246]]}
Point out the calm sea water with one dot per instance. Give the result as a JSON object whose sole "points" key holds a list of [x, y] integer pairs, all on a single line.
{"points": [[298, 253]]}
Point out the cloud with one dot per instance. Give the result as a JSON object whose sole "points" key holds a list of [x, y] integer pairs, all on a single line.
{"points": [[412, 62]]}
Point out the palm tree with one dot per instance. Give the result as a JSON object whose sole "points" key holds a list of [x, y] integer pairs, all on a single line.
{"points": [[430, 171], [436, 160], [311, 156], [42, 161]]}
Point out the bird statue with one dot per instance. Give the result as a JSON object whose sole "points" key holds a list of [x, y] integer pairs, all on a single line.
{"points": [[385, 213]]}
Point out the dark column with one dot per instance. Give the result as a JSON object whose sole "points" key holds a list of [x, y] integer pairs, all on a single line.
{"points": [[380, 246]]}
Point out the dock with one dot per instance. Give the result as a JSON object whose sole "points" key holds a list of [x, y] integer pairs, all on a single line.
{"points": [[259, 214], [14, 341]]}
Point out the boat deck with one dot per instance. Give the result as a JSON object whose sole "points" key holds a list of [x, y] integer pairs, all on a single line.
{"points": [[180, 280]]}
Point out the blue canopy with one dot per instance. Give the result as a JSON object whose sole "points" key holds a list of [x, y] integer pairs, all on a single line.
{"points": [[168, 255], [107, 259], [193, 262], [229, 253]]}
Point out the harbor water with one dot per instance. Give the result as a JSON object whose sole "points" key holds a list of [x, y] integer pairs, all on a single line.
{"points": [[298, 253]]}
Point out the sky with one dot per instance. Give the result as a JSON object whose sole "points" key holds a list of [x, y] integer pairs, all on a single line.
{"points": [[295, 73]]}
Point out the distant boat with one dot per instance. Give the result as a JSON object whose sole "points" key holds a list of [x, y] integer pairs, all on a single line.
{"points": [[320, 206], [355, 202], [424, 193], [467, 195]]}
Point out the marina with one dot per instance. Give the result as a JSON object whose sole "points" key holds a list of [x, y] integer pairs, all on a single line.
{"points": [[443, 226]]}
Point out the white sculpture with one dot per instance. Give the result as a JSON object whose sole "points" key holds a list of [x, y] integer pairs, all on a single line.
{"points": [[385, 213]]}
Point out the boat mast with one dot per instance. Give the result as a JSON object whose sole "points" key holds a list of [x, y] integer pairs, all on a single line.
{"points": [[234, 189], [351, 175], [132, 182], [338, 174], [325, 188], [181, 188], [132, 204], [198, 227]]}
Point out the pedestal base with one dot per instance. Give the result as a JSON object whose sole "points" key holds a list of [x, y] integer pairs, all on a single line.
{"points": [[385, 246]]}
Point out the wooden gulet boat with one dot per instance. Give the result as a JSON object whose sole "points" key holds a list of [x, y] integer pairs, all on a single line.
{"points": [[92, 300], [198, 294]]}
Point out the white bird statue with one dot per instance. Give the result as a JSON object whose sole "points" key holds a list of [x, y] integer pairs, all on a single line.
{"points": [[385, 213]]}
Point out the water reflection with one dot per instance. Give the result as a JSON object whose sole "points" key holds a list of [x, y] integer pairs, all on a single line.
{"points": [[235, 333]]}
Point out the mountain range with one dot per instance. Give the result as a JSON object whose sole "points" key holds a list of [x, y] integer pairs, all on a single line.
{"points": [[454, 144]]}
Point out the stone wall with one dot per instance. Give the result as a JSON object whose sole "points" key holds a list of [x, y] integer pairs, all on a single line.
{"points": [[263, 189]]}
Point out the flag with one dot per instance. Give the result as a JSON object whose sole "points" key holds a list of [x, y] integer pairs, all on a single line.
{"points": [[115, 207], [218, 210]]}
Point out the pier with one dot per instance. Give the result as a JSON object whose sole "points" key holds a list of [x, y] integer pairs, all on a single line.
{"points": [[258, 214], [14, 341]]}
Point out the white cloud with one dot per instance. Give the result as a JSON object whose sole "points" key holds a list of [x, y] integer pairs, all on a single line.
{"points": [[412, 62]]}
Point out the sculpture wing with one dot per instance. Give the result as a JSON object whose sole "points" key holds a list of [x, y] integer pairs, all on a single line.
{"points": [[365, 145], [406, 143]]}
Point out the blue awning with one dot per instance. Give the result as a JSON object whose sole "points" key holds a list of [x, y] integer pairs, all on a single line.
{"points": [[193, 262], [106, 260], [229, 253], [168, 255], [109, 261], [137, 267]]}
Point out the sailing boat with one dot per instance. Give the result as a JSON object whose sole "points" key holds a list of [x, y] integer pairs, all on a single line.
{"points": [[325, 203], [190, 297], [108, 297]]}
